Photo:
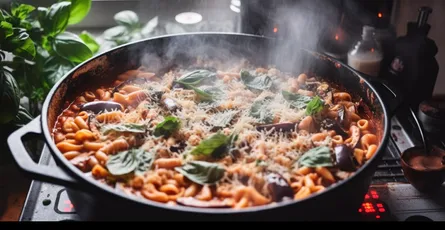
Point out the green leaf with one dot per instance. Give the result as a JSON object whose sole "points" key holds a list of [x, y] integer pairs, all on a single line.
{"points": [[316, 157], [260, 83], [21, 11], [167, 127], [23, 117], [315, 106], [89, 41], [20, 44], [6, 29], [130, 128], [123, 162], [42, 12], [55, 68], [214, 146], [195, 77], [9, 97], [146, 160], [127, 18], [222, 119], [79, 10], [149, 27], [201, 172], [71, 47], [115, 33], [133, 160], [260, 110], [56, 18], [296, 100]]}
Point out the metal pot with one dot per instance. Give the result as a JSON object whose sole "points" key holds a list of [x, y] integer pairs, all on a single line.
{"points": [[96, 200]]}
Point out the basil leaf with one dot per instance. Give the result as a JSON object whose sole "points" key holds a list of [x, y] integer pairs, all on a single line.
{"points": [[222, 119], [56, 18], [123, 162], [260, 111], [203, 95], [201, 172], [127, 18], [9, 97], [167, 127], [41, 13], [23, 117], [316, 157], [296, 100], [314, 106], [214, 146], [55, 68], [253, 82], [89, 40], [149, 27], [79, 10], [131, 128], [19, 42], [70, 47], [20, 11], [6, 29], [117, 33], [195, 77], [146, 160]]}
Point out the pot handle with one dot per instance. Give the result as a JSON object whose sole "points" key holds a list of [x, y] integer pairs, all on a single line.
{"points": [[393, 100], [51, 174]]}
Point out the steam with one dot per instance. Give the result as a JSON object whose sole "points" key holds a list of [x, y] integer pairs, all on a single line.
{"points": [[306, 23]]}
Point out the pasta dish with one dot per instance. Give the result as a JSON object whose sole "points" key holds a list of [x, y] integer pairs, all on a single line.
{"points": [[211, 135]]}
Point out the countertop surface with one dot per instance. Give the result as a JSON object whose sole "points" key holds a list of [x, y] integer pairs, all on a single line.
{"points": [[13, 190]]}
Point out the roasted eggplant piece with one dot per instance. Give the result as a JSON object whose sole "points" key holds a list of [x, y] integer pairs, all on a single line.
{"points": [[278, 187], [100, 106], [344, 160], [170, 104], [283, 127], [330, 124]]}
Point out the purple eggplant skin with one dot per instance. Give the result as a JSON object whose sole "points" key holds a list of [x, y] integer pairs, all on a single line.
{"points": [[330, 124], [283, 127], [278, 187], [170, 104], [344, 160], [100, 106]]}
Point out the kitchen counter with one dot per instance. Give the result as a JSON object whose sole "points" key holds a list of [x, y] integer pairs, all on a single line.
{"points": [[13, 190]]}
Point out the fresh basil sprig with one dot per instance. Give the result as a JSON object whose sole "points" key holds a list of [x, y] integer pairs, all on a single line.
{"points": [[129, 127], [167, 127], [256, 83], [316, 157], [296, 100], [133, 160], [315, 106], [201, 172]]}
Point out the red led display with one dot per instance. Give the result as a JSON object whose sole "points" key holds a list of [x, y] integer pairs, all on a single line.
{"points": [[63, 203], [68, 206], [371, 206]]}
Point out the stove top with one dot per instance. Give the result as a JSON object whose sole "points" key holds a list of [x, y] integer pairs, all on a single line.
{"points": [[390, 197]]}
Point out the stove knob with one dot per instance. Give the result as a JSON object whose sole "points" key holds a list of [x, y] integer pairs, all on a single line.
{"points": [[418, 218]]}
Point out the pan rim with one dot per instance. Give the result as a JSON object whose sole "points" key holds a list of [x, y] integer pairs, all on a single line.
{"points": [[90, 181]]}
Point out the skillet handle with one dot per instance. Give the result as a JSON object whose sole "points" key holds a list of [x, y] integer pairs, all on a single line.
{"points": [[51, 174], [391, 97]]}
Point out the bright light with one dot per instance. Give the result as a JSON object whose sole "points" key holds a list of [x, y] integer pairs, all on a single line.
{"points": [[188, 18], [235, 8], [336, 37], [236, 3], [380, 15], [275, 29]]}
